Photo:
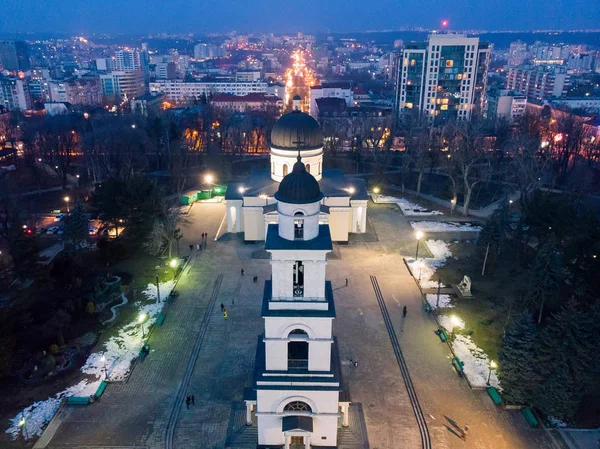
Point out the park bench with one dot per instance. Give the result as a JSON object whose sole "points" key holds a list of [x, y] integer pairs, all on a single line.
{"points": [[160, 319], [78, 400], [442, 334], [458, 365], [100, 389], [530, 417], [494, 395]]}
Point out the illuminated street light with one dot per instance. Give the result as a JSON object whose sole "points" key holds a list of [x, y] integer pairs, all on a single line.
{"points": [[455, 323], [23, 427], [103, 360], [173, 263], [419, 235], [351, 190], [376, 190], [493, 365], [67, 199], [241, 189], [142, 320], [209, 179]]}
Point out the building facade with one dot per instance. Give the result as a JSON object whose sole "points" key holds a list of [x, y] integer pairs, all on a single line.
{"points": [[76, 91], [517, 54], [14, 94], [504, 104], [121, 84], [538, 83], [235, 103], [14, 56], [182, 92], [252, 205], [296, 384], [444, 78], [342, 89]]}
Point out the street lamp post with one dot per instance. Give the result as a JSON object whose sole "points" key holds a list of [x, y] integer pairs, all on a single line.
{"points": [[419, 236], [209, 179], [157, 289], [67, 199], [420, 268], [493, 365], [141, 320], [103, 359], [437, 303], [23, 428]]}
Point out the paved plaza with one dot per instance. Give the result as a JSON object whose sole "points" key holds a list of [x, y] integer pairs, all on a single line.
{"points": [[198, 352]]}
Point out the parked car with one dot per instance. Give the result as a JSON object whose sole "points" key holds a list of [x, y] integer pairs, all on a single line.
{"points": [[53, 229], [59, 217], [41, 230], [60, 231], [93, 230]]}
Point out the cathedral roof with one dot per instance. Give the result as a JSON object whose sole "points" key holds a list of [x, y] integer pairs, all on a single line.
{"points": [[299, 186], [296, 131]]}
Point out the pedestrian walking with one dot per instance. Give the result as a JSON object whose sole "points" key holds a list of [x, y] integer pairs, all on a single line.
{"points": [[197, 246], [404, 311], [255, 279], [225, 313], [465, 432], [242, 271], [193, 400], [222, 307], [191, 247], [346, 282], [187, 401]]}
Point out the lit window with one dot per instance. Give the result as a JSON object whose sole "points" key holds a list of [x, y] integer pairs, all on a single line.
{"points": [[449, 63], [413, 62], [409, 105]]}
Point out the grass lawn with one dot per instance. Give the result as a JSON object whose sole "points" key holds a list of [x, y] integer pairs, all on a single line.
{"points": [[486, 313]]}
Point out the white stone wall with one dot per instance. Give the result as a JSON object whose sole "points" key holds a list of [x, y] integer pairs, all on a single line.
{"points": [[269, 412], [359, 216], [281, 158], [235, 216], [339, 223]]}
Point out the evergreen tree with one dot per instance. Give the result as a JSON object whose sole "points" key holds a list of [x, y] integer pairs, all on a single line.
{"points": [[77, 228], [546, 276], [517, 358], [564, 362]]}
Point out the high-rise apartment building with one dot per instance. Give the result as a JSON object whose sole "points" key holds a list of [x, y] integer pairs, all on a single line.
{"points": [[14, 56], [538, 83], [444, 77], [77, 91], [517, 54], [208, 51], [14, 93]]}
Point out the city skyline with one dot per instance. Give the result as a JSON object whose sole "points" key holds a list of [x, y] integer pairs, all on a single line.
{"points": [[334, 15]]}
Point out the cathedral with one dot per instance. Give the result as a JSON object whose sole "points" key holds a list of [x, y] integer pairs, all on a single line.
{"points": [[297, 394], [251, 205]]}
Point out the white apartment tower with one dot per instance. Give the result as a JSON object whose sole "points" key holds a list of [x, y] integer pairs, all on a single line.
{"points": [[444, 78], [297, 382]]}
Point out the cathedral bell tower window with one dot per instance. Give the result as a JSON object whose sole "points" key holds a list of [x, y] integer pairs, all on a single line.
{"points": [[298, 226], [298, 279]]}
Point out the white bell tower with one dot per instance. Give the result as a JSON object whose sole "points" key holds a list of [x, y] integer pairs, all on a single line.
{"points": [[297, 372]]}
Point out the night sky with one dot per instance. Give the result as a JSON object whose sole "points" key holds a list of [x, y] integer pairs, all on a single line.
{"points": [[199, 16]]}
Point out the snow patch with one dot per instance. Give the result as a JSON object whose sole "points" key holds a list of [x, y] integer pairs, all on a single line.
{"points": [[449, 323], [407, 207], [443, 226], [444, 301], [120, 352], [425, 268]]}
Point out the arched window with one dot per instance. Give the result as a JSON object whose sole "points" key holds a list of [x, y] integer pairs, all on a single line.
{"points": [[285, 169], [273, 167], [308, 168], [298, 332], [298, 226], [297, 406]]}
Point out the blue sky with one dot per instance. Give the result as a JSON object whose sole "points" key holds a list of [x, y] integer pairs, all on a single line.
{"points": [[198, 16]]}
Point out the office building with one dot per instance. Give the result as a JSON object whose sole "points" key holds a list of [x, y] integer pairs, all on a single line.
{"points": [[504, 104], [121, 84], [166, 71], [444, 77], [14, 56]]}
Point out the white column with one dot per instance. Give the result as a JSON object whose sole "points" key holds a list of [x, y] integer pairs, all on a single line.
{"points": [[307, 442], [287, 441], [345, 410], [248, 414]]}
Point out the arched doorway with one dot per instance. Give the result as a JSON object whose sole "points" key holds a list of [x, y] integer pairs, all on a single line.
{"points": [[308, 168], [298, 226], [285, 169]]}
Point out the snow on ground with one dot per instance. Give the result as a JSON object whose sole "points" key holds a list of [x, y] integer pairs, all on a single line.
{"points": [[476, 362], [444, 300], [120, 352], [425, 268], [443, 226], [407, 207]]}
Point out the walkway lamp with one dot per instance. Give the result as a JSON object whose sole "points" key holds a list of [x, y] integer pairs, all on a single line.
{"points": [[455, 323], [493, 365], [209, 179], [142, 320], [376, 190], [103, 359], [67, 199], [419, 235], [23, 427]]}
